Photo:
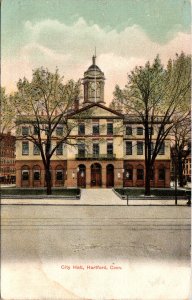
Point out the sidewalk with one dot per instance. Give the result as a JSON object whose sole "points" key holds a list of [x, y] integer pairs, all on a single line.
{"points": [[95, 197], [88, 197]]}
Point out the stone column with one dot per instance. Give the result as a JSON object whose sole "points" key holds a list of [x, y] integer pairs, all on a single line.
{"points": [[31, 177], [18, 176], [88, 176], [104, 175], [134, 175], [156, 175], [167, 177], [53, 175]]}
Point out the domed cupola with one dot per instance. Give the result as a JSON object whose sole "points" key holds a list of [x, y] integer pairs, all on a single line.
{"points": [[93, 82]]}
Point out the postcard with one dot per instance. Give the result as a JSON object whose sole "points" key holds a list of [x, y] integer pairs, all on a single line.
{"points": [[95, 149]]}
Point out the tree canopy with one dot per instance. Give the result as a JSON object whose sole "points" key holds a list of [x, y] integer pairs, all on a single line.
{"points": [[7, 113], [43, 104], [159, 97]]}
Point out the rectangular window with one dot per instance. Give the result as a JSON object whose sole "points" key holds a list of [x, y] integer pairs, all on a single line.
{"points": [[109, 128], [128, 130], [46, 130], [81, 129], [35, 130], [59, 130], [36, 175], [95, 129], [139, 148], [140, 174], [162, 149], [139, 130], [110, 149], [25, 148], [46, 147], [25, 130], [150, 131], [95, 149], [128, 148], [59, 175], [59, 149], [161, 174], [81, 150], [36, 150]]}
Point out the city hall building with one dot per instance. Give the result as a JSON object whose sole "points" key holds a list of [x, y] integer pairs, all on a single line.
{"points": [[109, 151]]}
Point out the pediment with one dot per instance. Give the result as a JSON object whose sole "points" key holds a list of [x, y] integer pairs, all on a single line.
{"points": [[98, 111]]}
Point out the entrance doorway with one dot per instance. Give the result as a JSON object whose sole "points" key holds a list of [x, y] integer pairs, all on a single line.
{"points": [[96, 175], [110, 176], [81, 176]]}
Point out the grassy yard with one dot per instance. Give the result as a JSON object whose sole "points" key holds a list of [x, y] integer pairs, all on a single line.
{"points": [[39, 191], [155, 192]]}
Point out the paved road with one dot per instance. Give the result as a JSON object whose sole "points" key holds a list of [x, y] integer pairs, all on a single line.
{"points": [[38, 240]]}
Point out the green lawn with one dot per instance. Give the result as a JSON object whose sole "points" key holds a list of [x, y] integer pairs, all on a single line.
{"points": [[39, 191], [155, 192]]}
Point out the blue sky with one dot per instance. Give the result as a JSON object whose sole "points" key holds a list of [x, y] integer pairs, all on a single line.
{"points": [[63, 33]]}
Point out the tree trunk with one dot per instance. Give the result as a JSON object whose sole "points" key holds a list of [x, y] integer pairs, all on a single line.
{"points": [[147, 179], [48, 180], [180, 172], [175, 175]]}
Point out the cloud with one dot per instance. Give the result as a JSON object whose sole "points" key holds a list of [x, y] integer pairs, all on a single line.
{"points": [[70, 47]]}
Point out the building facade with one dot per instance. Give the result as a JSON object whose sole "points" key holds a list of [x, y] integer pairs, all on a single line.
{"points": [[7, 158], [109, 151]]}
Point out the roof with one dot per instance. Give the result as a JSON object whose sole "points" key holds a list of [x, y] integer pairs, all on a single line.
{"points": [[98, 105], [93, 68]]}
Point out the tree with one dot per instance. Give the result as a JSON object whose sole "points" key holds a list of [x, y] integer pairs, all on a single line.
{"points": [[181, 147], [42, 105], [7, 113], [158, 97], [117, 103]]}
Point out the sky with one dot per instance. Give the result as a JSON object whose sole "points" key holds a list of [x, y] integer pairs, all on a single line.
{"points": [[64, 34]]}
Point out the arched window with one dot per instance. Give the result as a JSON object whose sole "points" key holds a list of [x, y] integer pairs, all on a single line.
{"points": [[140, 172], [161, 173], [25, 173], [36, 173], [59, 173], [128, 172]]}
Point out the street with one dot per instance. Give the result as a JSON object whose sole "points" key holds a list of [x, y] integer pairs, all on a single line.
{"points": [[43, 246]]}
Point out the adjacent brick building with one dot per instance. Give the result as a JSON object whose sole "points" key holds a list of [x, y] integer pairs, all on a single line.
{"points": [[7, 158]]}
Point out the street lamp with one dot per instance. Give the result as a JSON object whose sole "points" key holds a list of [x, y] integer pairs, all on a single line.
{"points": [[174, 156]]}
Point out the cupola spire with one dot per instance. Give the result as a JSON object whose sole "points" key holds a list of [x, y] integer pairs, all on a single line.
{"points": [[94, 58]]}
